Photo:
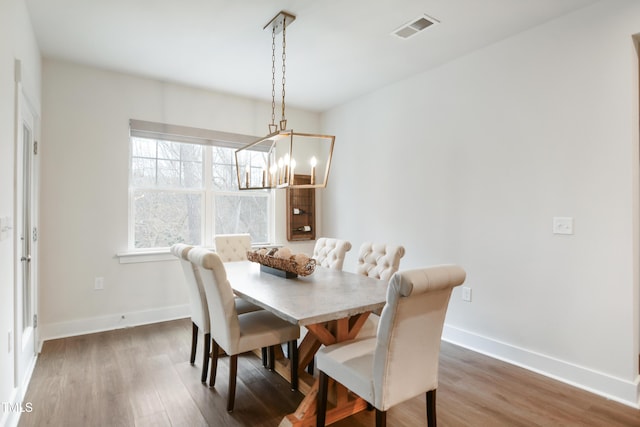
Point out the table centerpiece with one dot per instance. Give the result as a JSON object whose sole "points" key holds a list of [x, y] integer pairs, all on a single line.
{"points": [[282, 262]]}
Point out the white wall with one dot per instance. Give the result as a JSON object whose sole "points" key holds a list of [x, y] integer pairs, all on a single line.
{"points": [[468, 164], [16, 42], [85, 160]]}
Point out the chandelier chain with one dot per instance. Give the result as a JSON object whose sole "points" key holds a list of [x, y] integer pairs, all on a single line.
{"points": [[284, 57], [273, 76]]}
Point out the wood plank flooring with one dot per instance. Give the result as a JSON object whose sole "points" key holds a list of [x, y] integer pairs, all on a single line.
{"points": [[142, 377]]}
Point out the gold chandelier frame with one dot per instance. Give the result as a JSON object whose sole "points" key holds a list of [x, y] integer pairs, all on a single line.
{"points": [[270, 162]]}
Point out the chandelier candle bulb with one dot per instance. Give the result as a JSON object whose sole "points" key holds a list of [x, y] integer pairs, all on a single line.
{"points": [[287, 162], [280, 167], [292, 175], [274, 171], [313, 163]]}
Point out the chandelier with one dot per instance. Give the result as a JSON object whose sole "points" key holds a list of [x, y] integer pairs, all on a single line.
{"points": [[284, 158]]}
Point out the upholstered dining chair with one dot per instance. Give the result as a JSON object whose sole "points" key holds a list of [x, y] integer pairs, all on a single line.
{"points": [[380, 261], [330, 253], [401, 362], [238, 334], [199, 309], [232, 247]]}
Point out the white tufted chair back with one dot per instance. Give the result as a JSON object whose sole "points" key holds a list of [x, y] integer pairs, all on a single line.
{"points": [[232, 247], [379, 260], [197, 296], [329, 253]]}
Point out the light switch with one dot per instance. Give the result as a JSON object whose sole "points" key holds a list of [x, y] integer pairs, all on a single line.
{"points": [[562, 225], [466, 294]]}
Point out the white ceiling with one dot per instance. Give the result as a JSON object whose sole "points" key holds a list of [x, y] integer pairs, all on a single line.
{"points": [[336, 50]]}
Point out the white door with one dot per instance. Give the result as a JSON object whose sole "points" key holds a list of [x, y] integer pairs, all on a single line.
{"points": [[25, 243]]}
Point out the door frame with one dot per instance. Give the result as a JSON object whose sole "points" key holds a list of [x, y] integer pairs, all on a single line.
{"points": [[25, 342]]}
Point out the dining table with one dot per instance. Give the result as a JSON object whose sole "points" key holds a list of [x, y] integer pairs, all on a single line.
{"points": [[332, 305]]}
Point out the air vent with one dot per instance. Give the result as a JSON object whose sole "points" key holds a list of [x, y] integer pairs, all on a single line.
{"points": [[415, 26]]}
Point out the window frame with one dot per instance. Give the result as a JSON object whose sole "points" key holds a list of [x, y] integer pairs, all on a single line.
{"points": [[209, 139]]}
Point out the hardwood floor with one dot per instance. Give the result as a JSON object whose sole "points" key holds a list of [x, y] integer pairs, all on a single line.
{"points": [[142, 377]]}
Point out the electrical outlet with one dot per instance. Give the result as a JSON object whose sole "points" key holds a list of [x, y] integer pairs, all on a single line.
{"points": [[99, 283], [466, 294]]}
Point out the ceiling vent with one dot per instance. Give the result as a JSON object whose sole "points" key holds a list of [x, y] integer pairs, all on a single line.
{"points": [[415, 26]]}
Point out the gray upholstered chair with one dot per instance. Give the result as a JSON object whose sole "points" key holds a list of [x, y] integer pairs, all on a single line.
{"points": [[238, 334], [401, 362], [330, 253], [380, 261], [199, 308], [232, 247]]}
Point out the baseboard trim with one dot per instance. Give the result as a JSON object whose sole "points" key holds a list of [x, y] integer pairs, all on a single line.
{"points": [[620, 390], [49, 331]]}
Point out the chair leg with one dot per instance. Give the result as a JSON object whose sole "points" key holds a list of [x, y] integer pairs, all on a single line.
{"points": [[321, 408], [431, 408], [206, 357], [233, 370], [310, 367], [194, 342], [293, 354], [381, 418], [272, 358], [214, 363], [265, 358]]}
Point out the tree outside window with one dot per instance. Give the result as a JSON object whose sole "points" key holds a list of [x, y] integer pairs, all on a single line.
{"points": [[187, 193]]}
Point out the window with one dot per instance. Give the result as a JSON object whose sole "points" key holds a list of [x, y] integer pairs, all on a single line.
{"points": [[184, 189]]}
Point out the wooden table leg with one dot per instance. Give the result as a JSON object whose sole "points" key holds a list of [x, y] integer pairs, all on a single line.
{"points": [[346, 403]]}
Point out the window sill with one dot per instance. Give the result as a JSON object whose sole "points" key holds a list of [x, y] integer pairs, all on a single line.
{"points": [[133, 257]]}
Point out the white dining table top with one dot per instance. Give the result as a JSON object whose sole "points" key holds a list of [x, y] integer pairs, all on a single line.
{"points": [[322, 296]]}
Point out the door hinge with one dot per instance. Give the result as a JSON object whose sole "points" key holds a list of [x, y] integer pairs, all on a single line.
{"points": [[35, 320], [35, 147]]}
